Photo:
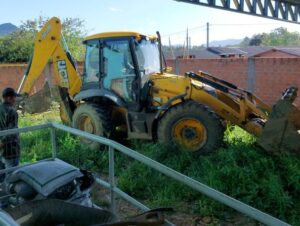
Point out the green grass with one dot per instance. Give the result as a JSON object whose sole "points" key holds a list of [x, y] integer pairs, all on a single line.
{"points": [[239, 169], [36, 145]]}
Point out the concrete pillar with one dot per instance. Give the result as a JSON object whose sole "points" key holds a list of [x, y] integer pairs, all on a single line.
{"points": [[251, 74], [177, 66]]}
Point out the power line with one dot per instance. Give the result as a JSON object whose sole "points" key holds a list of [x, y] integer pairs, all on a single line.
{"points": [[204, 26], [184, 31], [252, 24]]}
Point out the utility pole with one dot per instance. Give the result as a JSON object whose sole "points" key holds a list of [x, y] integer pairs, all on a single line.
{"points": [[187, 42], [207, 35], [170, 45]]}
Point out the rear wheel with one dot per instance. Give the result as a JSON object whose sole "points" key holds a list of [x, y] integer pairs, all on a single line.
{"points": [[192, 126], [93, 119]]}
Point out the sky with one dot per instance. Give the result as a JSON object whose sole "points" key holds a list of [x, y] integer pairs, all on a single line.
{"points": [[170, 17]]}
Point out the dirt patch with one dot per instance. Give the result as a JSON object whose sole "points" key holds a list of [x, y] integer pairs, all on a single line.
{"points": [[101, 197]]}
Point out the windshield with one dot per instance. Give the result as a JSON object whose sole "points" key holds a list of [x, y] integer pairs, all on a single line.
{"points": [[148, 58]]}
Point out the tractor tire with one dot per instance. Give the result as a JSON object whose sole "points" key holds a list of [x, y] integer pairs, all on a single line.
{"points": [[93, 119], [192, 126]]}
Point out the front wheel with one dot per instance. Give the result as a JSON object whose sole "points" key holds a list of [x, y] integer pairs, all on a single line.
{"points": [[93, 119], [192, 126]]}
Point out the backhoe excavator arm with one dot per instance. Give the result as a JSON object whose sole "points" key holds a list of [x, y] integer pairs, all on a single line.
{"points": [[50, 45]]}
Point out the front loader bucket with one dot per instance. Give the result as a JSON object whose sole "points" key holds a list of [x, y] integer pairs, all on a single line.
{"points": [[38, 102], [281, 133]]}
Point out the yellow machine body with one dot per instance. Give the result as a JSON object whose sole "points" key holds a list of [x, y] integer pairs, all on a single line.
{"points": [[167, 97], [48, 46], [234, 108]]}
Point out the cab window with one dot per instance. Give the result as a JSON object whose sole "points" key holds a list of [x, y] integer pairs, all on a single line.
{"points": [[91, 71], [119, 73]]}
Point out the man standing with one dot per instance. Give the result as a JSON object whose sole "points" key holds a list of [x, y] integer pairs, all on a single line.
{"points": [[10, 144]]}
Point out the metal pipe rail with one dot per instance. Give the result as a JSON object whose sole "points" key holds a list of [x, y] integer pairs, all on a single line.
{"points": [[196, 185]]}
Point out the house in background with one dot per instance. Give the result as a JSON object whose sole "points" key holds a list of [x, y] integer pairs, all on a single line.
{"points": [[280, 52], [235, 52], [225, 52], [191, 54]]}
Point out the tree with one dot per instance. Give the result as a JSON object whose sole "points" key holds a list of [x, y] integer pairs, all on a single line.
{"points": [[74, 31], [281, 37], [18, 46], [256, 40], [245, 42], [277, 37]]}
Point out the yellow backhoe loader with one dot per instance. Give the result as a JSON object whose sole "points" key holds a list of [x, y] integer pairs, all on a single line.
{"points": [[126, 90]]}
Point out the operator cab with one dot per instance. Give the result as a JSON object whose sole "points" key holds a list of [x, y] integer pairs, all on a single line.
{"points": [[119, 64]]}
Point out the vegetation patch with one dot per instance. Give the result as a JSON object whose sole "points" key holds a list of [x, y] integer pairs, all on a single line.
{"points": [[240, 169]]}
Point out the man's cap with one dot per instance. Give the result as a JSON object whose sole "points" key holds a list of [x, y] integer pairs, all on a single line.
{"points": [[9, 92]]}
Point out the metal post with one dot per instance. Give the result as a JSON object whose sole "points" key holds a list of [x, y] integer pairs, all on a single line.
{"points": [[112, 179], [53, 142]]}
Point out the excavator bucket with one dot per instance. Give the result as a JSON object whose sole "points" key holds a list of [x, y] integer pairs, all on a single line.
{"points": [[38, 102], [42, 100], [281, 133]]}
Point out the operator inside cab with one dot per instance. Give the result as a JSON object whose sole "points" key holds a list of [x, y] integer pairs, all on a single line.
{"points": [[120, 63]]}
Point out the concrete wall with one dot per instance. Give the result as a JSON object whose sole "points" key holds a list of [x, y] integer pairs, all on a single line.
{"points": [[266, 77]]}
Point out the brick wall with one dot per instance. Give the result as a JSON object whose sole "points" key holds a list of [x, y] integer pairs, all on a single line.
{"points": [[233, 70], [273, 75], [266, 77], [12, 74]]}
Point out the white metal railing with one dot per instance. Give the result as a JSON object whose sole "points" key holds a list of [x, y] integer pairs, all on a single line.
{"points": [[196, 185]]}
